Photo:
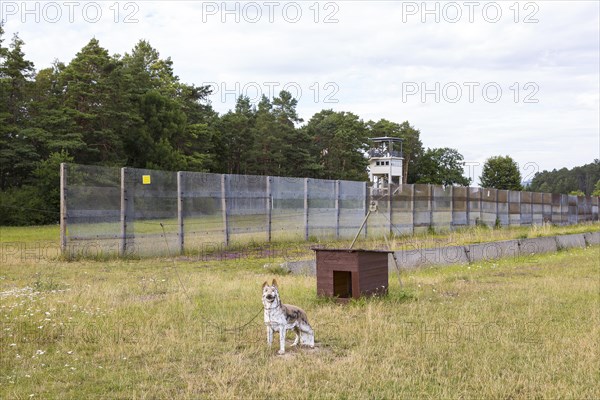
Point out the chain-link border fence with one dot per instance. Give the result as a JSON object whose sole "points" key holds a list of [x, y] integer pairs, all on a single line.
{"points": [[109, 211]]}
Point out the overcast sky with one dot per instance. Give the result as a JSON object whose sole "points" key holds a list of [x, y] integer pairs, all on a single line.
{"points": [[486, 78]]}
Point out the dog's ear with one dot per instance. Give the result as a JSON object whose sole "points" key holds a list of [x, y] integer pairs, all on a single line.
{"points": [[274, 283], [264, 284]]}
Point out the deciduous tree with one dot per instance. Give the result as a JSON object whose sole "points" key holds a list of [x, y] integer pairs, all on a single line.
{"points": [[501, 173], [441, 166]]}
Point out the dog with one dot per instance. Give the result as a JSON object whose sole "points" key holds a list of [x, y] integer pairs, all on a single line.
{"points": [[283, 317]]}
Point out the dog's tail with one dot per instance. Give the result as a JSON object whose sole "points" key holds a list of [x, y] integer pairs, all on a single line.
{"points": [[307, 336]]}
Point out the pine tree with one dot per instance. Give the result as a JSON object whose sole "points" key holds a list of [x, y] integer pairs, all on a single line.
{"points": [[92, 97], [237, 135], [18, 155], [340, 141]]}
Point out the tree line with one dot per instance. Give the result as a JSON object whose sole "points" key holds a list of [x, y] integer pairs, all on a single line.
{"points": [[582, 180]]}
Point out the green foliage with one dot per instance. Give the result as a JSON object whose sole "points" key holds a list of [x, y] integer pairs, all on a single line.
{"points": [[338, 140], [584, 178], [501, 173], [38, 201], [17, 152], [576, 193], [443, 166], [596, 191]]}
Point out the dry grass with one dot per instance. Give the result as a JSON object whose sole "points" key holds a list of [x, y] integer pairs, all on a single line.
{"points": [[149, 329]]}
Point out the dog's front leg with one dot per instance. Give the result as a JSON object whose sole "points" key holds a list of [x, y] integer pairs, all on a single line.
{"points": [[269, 336], [282, 331]]}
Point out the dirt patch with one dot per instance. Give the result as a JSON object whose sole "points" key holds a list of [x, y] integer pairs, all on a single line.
{"points": [[293, 352]]}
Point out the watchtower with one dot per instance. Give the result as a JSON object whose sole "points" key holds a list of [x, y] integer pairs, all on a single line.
{"points": [[385, 162]]}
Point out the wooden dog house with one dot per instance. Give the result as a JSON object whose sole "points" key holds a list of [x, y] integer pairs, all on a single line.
{"points": [[347, 273]]}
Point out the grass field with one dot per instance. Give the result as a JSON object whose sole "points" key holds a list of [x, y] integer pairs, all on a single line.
{"points": [[155, 329]]}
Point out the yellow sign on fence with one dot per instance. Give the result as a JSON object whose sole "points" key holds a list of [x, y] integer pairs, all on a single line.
{"points": [[146, 179]]}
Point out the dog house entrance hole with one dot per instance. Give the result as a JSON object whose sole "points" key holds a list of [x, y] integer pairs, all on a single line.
{"points": [[342, 284]]}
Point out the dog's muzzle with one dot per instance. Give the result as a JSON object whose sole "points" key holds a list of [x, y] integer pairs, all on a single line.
{"points": [[270, 297]]}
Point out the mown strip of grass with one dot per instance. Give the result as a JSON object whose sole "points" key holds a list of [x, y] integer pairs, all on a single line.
{"points": [[29, 234]]}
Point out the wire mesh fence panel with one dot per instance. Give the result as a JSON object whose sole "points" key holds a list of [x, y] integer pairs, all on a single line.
{"points": [[152, 223], [588, 208], [537, 206], [113, 211], [441, 207], [556, 209], [202, 212], [474, 204], [595, 205], [402, 209], [526, 208], [287, 214], [564, 203], [459, 206], [573, 209], [503, 218], [584, 211], [352, 207], [514, 208], [247, 208], [488, 206], [93, 204], [546, 207], [580, 209], [378, 224], [422, 207], [322, 214]]}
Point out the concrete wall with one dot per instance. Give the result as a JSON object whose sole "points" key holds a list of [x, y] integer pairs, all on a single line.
{"points": [[452, 255]]}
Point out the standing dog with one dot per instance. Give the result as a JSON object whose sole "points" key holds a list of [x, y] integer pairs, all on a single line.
{"points": [[283, 317]]}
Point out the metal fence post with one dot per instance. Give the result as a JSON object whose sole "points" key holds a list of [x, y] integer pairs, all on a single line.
{"points": [[124, 209], [532, 213], [224, 210], [269, 207], [367, 204], [180, 211], [389, 201], [414, 191], [520, 207], [481, 205], [430, 192], [63, 209], [497, 209], [452, 207], [508, 206], [468, 212], [306, 197], [337, 208]]}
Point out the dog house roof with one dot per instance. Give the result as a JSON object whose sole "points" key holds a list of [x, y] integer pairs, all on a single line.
{"points": [[352, 250]]}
